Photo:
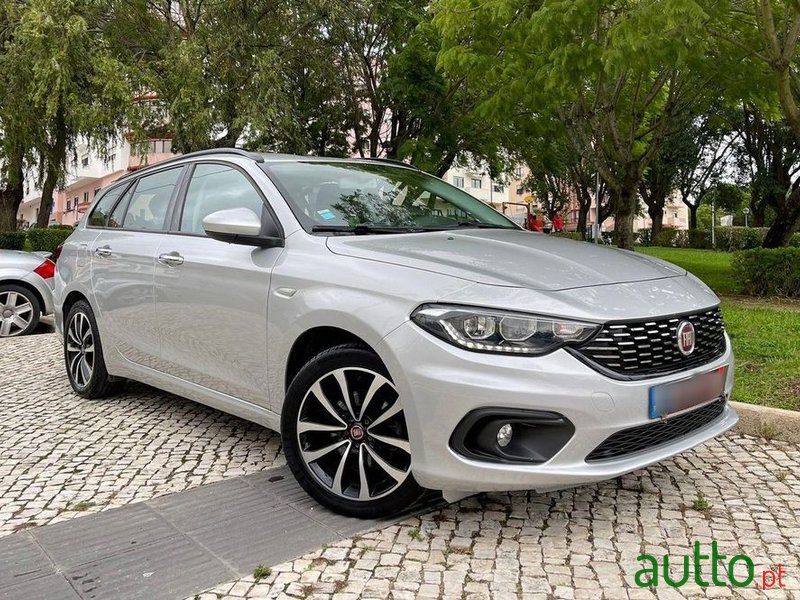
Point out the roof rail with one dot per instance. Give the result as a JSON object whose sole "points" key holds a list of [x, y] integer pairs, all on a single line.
{"points": [[392, 161], [210, 151]]}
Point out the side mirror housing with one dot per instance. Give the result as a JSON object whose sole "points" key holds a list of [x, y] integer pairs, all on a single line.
{"points": [[243, 226]]}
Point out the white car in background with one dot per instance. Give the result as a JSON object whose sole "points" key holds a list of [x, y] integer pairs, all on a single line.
{"points": [[398, 332], [26, 291]]}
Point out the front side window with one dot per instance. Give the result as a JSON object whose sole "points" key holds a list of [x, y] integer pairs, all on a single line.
{"points": [[216, 187], [103, 207], [327, 195], [151, 196]]}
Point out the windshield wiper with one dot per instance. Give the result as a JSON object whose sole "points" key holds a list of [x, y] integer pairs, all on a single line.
{"points": [[362, 229], [468, 224]]}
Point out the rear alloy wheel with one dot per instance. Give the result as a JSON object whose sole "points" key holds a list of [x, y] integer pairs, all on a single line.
{"points": [[19, 311], [345, 435], [83, 354]]}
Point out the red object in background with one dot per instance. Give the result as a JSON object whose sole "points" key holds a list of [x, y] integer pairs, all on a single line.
{"points": [[46, 270], [558, 223]]}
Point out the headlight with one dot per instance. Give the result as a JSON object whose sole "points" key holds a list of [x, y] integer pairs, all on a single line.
{"points": [[500, 331]]}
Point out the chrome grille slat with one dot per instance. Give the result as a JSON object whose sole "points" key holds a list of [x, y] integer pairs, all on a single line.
{"points": [[646, 348]]}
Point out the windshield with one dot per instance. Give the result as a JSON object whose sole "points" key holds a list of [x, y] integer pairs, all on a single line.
{"points": [[380, 198]]}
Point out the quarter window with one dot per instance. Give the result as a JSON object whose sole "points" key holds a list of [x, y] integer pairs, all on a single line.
{"points": [[216, 187], [150, 200], [103, 207]]}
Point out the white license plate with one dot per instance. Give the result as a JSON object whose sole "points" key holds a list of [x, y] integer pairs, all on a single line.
{"points": [[671, 398]]}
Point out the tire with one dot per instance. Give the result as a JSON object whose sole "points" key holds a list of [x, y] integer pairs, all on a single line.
{"points": [[20, 310], [352, 457], [83, 354]]}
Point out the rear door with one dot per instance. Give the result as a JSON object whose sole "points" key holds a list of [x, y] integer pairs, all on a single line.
{"points": [[123, 263], [211, 296]]}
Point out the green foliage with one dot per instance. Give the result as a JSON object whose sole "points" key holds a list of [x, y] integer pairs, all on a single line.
{"points": [[739, 238], [47, 239], [768, 271], [12, 240], [714, 268]]}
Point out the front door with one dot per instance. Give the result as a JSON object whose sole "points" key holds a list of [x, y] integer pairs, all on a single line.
{"points": [[211, 296], [123, 263]]}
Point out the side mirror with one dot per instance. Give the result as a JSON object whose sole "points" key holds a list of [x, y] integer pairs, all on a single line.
{"points": [[241, 226]]}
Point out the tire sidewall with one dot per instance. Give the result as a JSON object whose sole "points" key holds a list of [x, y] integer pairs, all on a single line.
{"points": [[335, 358]]}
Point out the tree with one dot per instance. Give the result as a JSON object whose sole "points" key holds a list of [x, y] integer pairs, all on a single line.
{"points": [[14, 144], [770, 154], [762, 42], [62, 71], [614, 73], [702, 149]]}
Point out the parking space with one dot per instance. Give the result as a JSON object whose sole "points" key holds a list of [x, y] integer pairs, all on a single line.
{"points": [[62, 456]]}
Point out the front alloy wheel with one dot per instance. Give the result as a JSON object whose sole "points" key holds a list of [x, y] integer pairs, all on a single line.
{"points": [[349, 444]]}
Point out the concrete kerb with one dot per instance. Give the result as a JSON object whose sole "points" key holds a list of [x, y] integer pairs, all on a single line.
{"points": [[767, 422]]}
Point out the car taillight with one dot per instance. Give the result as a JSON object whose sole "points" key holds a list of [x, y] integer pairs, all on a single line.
{"points": [[46, 270], [57, 253]]}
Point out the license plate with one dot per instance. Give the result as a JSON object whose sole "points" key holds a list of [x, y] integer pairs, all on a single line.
{"points": [[678, 396]]}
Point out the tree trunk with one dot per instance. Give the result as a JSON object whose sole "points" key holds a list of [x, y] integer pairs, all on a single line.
{"points": [[624, 213], [583, 217], [656, 213], [11, 195], [786, 221], [56, 159]]}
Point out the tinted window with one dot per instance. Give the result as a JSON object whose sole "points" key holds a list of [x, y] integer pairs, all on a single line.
{"points": [[150, 200], [104, 206], [213, 188], [118, 214]]}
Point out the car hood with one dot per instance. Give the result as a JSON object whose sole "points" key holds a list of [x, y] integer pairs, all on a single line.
{"points": [[513, 258]]}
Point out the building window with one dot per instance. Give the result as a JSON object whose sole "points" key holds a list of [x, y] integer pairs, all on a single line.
{"points": [[85, 196], [476, 183], [675, 215], [497, 187], [159, 147], [69, 205], [458, 181], [520, 190], [111, 159], [518, 172], [85, 161]]}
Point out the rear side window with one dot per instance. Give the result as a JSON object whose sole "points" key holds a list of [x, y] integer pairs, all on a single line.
{"points": [[150, 200], [216, 187], [103, 208]]}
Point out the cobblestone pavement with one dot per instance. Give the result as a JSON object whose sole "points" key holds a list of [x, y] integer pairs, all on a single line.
{"points": [[62, 456], [579, 543]]}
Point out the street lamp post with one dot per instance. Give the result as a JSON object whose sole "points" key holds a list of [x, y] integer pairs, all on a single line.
{"points": [[746, 212], [597, 208]]}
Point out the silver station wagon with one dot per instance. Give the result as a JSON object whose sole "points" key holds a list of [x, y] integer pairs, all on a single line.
{"points": [[399, 333]]}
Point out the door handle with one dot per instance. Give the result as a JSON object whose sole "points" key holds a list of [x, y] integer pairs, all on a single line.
{"points": [[103, 251], [173, 259]]}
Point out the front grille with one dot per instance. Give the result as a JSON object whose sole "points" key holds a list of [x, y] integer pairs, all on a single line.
{"points": [[652, 435], [647, 348]]}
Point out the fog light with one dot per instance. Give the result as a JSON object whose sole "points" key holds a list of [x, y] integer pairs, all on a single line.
{"points": [[504, 435]]}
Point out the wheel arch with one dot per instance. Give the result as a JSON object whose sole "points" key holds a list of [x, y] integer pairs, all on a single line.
{"points": [[71, 299], [315, 340], [30, 287]]}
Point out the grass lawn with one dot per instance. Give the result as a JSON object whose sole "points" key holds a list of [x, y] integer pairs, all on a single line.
{"points": [[765, 333]]}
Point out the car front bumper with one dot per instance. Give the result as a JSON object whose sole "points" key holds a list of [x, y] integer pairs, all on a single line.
{"points": [[440, 384]]}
